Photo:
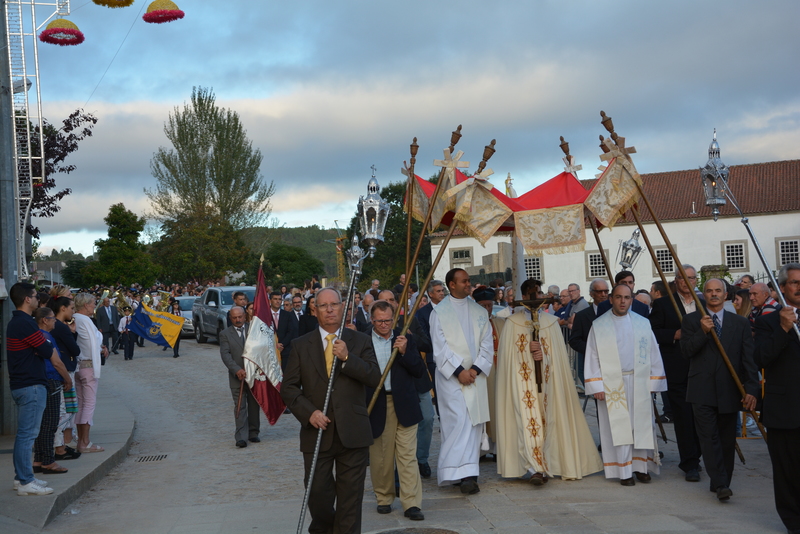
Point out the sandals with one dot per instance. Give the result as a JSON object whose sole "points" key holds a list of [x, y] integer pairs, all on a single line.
{"points": [[57, 470], [70, 454], [91, 448]]}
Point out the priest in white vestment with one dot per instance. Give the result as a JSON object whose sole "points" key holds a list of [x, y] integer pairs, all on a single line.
{"points": [[462, 347], [542, 433], [623, 367]]}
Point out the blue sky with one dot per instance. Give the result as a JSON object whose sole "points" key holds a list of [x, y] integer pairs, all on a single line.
{"points": [[327, 89]]}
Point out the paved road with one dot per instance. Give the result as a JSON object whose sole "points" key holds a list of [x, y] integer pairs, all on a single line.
{"points": [[183, 409]]}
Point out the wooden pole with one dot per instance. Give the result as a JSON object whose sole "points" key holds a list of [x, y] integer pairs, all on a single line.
{"points": [[239, 402]]}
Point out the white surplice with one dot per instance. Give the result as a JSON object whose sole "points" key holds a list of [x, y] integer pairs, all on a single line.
{"points": [[462, 409], [622, 459]]}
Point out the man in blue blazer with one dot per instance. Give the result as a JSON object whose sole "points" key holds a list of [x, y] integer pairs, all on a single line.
{"points": [[716, 400], [395, 416], [778, 353]]}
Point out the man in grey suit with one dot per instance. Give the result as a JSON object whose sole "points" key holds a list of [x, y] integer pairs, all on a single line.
{"points": [[711, 389], [231, 347], [107, 318], [347, 433]]}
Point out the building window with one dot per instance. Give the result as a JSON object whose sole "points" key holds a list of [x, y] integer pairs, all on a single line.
{"points": [[594, 266], [533, 268], [461, 257], [788, 250], [734, 255], [665, 261]]}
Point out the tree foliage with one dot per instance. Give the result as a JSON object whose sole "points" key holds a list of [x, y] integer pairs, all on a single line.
{"points": [[72, 273], [199, 246], [59, 143], [286, 264], [390, 257], [121, 259], [212, 167], [318, 242]]}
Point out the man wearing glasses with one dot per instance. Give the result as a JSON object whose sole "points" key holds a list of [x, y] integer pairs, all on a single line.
{"points": [[346, 435], [582, 320], [666, 326], [27, 350]]}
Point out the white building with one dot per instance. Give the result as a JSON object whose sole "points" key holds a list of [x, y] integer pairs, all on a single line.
{"points": [[768, 193]]}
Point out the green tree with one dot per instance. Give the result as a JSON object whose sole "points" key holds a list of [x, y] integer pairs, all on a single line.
{"points": [[121, 258], [285, 264], [72, 273], [212, 167], [390, 257], [199, 246]]}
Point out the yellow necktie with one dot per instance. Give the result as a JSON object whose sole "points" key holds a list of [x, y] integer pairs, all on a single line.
{"points": [[329, 352]]}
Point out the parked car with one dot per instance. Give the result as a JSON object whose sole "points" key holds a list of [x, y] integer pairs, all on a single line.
{"points": [[186, 312], [210, 310]]}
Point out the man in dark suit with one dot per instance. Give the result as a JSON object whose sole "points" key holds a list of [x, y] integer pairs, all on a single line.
{"points": [[711, 389], [347, 434], [778, 353], [395, 417], [107, 318], [231, 347], [288, 327], [582, 322], [625, 277], [363, 321], [666, 326]]}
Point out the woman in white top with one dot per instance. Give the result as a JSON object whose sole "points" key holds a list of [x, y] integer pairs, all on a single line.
{"points": [[90, 340]]}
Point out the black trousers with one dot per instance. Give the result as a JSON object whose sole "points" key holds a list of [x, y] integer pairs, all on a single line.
{"points": [[784, 451], [43, 451], [683, 423], [346, 490], [128, 341], [177, 346], [717, 434]]}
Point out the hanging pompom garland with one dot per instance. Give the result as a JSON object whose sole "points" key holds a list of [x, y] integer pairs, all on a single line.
{"points": [[62, 32], [113, 3], [161, 11]]}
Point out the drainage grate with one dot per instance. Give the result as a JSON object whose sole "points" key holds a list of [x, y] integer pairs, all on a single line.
{"points": [[151, 458]]}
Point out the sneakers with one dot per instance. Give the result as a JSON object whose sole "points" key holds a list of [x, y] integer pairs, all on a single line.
{"points": [[32, 488], [42, 483]]}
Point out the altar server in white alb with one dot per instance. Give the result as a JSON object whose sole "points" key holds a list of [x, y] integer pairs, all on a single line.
{"points": [[623, 367], [463, 349]]}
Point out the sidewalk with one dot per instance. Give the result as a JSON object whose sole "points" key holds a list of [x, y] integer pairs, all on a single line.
{"points": [[113, 430]]}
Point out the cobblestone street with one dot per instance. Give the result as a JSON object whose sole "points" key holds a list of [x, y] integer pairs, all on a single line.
{"points": [[183, 409]]}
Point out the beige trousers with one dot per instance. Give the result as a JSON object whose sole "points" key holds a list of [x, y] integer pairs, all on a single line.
{"points": [[398, 444]]}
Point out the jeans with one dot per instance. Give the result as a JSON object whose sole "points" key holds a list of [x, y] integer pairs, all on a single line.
{"points": [[30, 403], [425, 428]]}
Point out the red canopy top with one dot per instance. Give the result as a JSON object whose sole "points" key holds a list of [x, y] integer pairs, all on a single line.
{"points": [[562, 190]]}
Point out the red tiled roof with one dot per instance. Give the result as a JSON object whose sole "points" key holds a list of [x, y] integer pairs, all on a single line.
{"points": [[760, 188]]}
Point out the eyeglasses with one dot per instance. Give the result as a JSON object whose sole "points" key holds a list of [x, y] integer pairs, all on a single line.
{"points": [[381, 321], [601, 291], [332, 306], [51, 318]]}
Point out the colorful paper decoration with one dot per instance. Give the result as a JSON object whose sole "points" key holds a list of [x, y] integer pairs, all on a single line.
{"points": [[62, 32], [113, 3], [161, 11]]}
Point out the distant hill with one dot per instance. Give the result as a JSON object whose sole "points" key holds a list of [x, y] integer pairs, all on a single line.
{"points": [[310, 238]]}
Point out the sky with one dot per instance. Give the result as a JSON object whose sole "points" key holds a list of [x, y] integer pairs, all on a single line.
{"points": [[328, 89]]}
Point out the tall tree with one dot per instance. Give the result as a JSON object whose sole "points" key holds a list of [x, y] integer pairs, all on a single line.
{"points": [[198, 246], [212, 167], [121, 258], [59, 143]]}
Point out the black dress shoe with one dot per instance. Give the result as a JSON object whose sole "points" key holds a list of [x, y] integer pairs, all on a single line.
{"points": [[241, 444], [538, 479], [114, 352], [384, 508], [425, 470], [724, 493], [414, 514], [255, 439], [692, 475], [469, 487], [627, 481], [642, 477]]}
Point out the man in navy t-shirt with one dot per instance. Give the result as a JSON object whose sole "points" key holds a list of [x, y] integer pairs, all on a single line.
{"points": [[27, 351]]}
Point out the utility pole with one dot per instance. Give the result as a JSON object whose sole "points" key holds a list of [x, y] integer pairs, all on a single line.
{"points": [[9, 216]]}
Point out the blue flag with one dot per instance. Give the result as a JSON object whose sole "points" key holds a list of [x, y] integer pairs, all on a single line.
{"points": [[159, 327]]}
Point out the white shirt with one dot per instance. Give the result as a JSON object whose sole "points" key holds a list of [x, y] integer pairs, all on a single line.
{"points": [[383, 352]]}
